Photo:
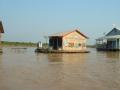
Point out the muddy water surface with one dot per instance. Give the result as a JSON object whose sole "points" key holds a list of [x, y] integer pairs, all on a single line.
{"points": [[22, 69]]}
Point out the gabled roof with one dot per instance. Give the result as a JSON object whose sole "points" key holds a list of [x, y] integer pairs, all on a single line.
{"points": [[113, 32], [1, 28], [62, 34]]}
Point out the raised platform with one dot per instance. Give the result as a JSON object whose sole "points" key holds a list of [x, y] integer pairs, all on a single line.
{"points": [[60, 51], [107, 49]]}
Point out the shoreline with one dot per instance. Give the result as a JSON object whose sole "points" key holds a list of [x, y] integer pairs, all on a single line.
{"points": [[17, 44]]}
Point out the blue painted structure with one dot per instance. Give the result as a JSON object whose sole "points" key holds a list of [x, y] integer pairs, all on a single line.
{"points": [[111, 41]]}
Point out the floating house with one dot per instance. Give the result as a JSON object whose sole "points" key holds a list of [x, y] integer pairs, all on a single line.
{"points": [[66, 42], [1, 31], [111, 41], [71, 41]]}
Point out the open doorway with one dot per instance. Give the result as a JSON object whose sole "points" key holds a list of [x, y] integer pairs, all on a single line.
{"points": [[55, 43]]}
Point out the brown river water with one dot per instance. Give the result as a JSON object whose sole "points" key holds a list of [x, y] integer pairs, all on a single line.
{"points": [[22, 69]]}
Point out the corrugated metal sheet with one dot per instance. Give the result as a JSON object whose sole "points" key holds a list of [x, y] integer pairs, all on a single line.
{"points": [[62, 34], [109, 37], [114, 32]]}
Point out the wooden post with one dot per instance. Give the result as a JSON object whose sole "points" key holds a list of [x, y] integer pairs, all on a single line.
{"points": [[119, 44], [62, 43], [0, 44], [57, 43], [116, 44]]}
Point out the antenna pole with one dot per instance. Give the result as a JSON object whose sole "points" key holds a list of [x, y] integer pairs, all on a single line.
{"points": [[114, 26]]}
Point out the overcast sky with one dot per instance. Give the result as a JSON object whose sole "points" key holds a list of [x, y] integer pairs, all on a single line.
{"points": [[31, 20]]}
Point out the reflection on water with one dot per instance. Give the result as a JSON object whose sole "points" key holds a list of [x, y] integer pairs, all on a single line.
{"points": [[19, 50], [113, 55], [55, 57], [22, 69]]}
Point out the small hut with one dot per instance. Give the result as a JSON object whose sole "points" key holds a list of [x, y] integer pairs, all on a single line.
{"points": [[111, 41], [68, 41], [1, 31]]}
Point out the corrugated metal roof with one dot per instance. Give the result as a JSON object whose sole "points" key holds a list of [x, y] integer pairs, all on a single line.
{"points": [[114, 32], [62, 34], [109, 37], [1, 28], [101, 38]]}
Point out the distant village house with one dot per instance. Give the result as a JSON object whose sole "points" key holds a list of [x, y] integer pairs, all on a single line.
{"points": [[68, 41], [111, 41]]}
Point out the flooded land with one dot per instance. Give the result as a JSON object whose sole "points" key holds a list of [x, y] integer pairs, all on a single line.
{"points": [[22, 69]]}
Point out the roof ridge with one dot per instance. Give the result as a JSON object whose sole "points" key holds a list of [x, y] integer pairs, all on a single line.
{"points": [[118, 28], [62, 34], [67, 31]]}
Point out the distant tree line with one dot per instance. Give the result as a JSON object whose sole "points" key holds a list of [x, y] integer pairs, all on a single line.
{"points": [[18, 43]]}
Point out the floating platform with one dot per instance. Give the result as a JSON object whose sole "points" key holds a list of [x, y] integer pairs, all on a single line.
{"points": [[60, 51], [107, 49]]}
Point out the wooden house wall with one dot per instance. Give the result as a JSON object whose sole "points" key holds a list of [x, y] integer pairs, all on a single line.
{"points": [[74, 41]]}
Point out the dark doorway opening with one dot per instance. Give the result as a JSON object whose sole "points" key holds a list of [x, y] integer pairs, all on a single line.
{"points": [[55, 42]]}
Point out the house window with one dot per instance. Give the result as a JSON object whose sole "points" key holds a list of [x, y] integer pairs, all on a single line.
{"points": [[79, 44]]}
